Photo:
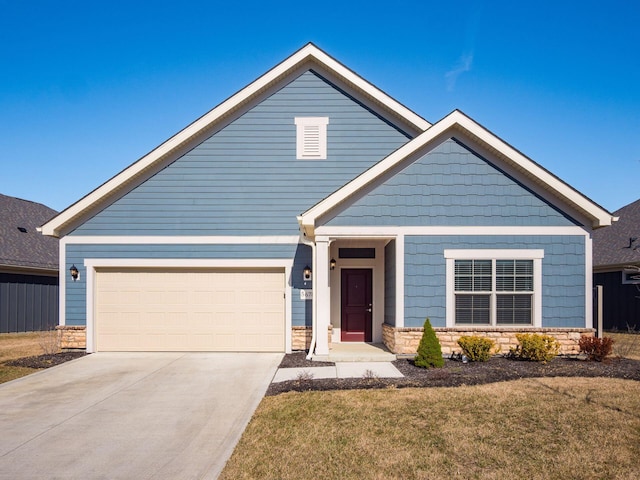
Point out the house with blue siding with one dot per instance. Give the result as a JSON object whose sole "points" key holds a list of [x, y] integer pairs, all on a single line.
{"points": [[311, 208]]}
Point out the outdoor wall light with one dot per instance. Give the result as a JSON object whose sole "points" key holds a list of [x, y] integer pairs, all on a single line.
{"points": [[332, 264], [74, 272], [306, 273]]}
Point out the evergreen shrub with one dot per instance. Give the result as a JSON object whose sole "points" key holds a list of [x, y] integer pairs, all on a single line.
{"points": [[429, 350]]}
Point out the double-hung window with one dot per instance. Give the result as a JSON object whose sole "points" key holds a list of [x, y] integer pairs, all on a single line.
{"points": [[494, 287]]}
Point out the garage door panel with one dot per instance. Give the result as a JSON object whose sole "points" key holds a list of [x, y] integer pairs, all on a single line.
{"points": [[198, 310]]}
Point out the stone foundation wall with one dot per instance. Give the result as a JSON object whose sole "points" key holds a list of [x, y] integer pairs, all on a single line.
{"points": [[406, 340], [301, 337], [71, 337]]}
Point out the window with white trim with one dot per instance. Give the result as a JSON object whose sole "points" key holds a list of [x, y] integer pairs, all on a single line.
{"points": [[493, 287], [311, 138]]}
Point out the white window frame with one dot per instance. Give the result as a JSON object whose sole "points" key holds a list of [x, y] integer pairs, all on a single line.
{"points": [[452, 255], [311, 138]]}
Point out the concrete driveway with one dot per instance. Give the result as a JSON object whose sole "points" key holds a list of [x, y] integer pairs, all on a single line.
{"points": [[131, 415]]}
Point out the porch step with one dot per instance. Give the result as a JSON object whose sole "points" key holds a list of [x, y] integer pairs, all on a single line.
{"points": [[357, 352]]}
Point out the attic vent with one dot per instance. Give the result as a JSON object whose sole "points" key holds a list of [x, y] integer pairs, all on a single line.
{"points": [[22, 229], [311, 138]]}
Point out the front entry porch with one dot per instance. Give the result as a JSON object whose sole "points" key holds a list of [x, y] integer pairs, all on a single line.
{"points": [[357, 352]]}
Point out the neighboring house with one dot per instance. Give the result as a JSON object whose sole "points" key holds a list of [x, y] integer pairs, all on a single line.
{"points": [[616, 266], [311, 208], [28, 268]]}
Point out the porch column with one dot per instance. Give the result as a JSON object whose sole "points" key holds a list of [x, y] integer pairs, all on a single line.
{"points": [[322, 297]]}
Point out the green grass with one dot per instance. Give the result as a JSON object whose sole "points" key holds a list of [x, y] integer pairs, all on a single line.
{"points": [[549, 428]]}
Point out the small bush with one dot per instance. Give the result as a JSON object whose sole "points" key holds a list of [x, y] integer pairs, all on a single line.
{"points": [[429, 350], [477, 349], [596, 348], [535, 347]]}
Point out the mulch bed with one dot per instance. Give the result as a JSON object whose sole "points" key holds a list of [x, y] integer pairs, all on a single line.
{"points": [[45, 361], [456, 374]]}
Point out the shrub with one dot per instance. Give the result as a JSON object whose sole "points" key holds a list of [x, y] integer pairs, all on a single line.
{"points": [[429, 350], [596, 348], [477, 349], [535, 347]]}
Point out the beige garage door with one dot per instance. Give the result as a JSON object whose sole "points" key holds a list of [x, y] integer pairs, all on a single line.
{"points": [[190, 310]]}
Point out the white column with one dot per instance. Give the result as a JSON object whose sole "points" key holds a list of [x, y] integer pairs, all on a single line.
{"points": [[321, 295]]}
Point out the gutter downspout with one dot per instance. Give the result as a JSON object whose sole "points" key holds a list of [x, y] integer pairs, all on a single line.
{"points": [[311, 244]]}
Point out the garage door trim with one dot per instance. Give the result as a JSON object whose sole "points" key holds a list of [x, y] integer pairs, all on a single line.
{"points": [[95, 263]]}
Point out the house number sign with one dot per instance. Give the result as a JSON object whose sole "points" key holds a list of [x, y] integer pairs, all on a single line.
{"points": [[306, 294]]}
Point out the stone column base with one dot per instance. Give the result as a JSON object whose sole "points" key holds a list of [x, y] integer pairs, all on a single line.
{"points": [[405, 340], [301, 338], [72, 337]]}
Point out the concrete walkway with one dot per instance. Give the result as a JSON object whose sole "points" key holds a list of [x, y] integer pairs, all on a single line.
{"points": [[125, 416], [340, 370]]}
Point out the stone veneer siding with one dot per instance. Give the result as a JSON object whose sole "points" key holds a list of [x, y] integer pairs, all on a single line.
{"points": [[72, 337], [301, 338], [405, 340]]}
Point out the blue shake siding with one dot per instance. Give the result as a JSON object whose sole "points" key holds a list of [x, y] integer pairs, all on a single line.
{"points": [[76, 254], [563, 275], [245, 179], [451, 186]]}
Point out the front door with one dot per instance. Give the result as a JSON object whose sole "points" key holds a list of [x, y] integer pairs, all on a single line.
{"points": [[356, 305]]}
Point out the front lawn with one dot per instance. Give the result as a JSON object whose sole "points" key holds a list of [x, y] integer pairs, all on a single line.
{"points": [[535, 428]]}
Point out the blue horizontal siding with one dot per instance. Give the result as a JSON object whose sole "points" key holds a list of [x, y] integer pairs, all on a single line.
{"points": [[75, 294], [451, 186], [245, 179], [563, 275]]}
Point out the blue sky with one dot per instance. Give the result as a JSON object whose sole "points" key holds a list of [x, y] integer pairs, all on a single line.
{"points": [[88, 87]]}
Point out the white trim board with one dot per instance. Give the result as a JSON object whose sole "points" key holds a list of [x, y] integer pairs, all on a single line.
{"points": [[92, 264], [393, 231], [178, 240]]}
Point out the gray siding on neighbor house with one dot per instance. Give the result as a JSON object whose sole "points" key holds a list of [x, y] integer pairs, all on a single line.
{"points": [[451, 186], [620, 302], [76, 254], [28, 303], [245, 179], [563, 275], [390, 283]]}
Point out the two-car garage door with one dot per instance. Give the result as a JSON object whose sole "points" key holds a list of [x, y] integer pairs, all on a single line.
{"points": [[190, 310]]}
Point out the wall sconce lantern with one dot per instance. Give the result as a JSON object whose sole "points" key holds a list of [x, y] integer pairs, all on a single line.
{"points": [[74, 272], [332, 264], [306, 273]]}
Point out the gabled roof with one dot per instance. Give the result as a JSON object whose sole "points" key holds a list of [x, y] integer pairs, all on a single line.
{"points": [[21, 246], [613, 246], [457, 124], [308, 57]]}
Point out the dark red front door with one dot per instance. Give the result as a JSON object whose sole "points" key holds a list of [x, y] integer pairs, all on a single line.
{"points": [[356, 305]]}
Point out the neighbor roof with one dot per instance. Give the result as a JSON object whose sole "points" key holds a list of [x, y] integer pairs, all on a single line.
{"points": [[612, 247], [21, 246], [457, 124], [308, 57]]}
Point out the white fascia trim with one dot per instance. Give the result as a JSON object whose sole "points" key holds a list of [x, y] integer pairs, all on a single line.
{"points": [[392, 231], [93, 263], [308, 53], [445, 128], [180, 240], [599, 216]]}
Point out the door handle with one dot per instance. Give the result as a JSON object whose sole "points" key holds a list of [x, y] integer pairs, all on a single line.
{"points": [[369, 309]]}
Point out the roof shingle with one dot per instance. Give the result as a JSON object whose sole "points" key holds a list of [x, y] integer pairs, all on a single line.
{"points": [[21, 245], [612, 245]]}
